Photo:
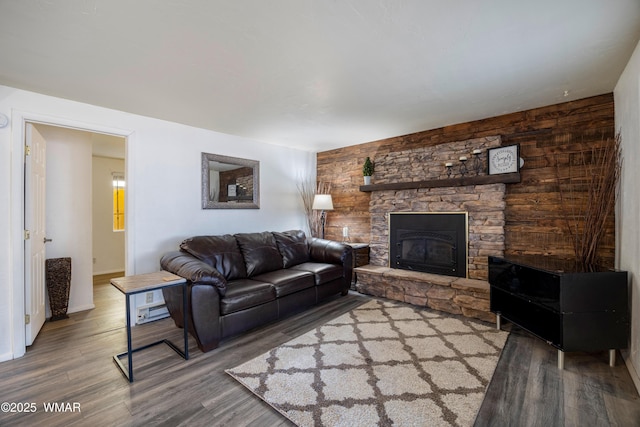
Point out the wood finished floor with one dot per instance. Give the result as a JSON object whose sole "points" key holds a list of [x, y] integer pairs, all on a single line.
{"points": [[71, 362]]}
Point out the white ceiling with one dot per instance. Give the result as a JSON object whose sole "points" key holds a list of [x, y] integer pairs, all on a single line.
{"points": [[317, 74]]}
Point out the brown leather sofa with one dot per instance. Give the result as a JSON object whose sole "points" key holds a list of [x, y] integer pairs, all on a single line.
{"points": [[238, 282]]}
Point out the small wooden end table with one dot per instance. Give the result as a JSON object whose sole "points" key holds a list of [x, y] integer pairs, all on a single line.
{"points": [[360, 258], [131, 285]]}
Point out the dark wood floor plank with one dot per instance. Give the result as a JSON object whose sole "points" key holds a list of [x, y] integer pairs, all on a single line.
{"points": [[506, 395], [529, 390], [71, 361], [544, 389], [622, 412]]}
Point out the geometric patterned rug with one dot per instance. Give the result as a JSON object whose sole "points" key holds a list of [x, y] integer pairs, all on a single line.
{"points": [[383, 364]]}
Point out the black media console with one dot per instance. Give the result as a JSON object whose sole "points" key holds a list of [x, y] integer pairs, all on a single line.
{"points": [[572, 307]]}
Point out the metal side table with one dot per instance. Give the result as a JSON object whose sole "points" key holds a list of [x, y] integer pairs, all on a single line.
{"points": [[131, 285]]}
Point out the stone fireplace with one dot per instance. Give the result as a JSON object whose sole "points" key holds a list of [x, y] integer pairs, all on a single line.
{"points": [[411, 183], [483, 204]]}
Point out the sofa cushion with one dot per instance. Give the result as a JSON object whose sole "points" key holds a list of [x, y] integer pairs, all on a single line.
{"points": [[220, 252], [260, 252], [323, 272], [246, 293], [287, 281], [293, 247]]}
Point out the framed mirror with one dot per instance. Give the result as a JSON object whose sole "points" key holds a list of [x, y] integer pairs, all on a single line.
{"points": [[230, 182]]}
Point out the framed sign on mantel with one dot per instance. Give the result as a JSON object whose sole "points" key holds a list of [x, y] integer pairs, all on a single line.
{"points": [[503, 159]]}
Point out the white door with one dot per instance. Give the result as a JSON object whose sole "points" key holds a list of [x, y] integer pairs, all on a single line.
{"points": [[35, 196]]}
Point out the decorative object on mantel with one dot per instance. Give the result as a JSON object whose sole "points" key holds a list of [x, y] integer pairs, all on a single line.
{"points": [[367, 171], [405, 366], [503, 159], [308, 189], [449, 166], [477, 162], [587, 221], [463, 165], [463, 169], [322, 203]]}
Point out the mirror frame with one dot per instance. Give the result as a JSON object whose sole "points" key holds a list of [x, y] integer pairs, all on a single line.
{"points": [[208, 204]]}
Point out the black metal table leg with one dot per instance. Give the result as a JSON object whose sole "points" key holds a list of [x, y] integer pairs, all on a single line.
{"points": [[185, 319], [128, 371]]}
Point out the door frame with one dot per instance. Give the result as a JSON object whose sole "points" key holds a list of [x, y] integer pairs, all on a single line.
{"points": [[19, 119]]}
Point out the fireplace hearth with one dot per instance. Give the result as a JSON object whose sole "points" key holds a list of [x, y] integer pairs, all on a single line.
{"points": [[429, 242]]}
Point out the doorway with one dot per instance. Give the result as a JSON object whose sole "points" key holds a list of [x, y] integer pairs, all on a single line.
{"points": [[20, 118], [79, 169]]}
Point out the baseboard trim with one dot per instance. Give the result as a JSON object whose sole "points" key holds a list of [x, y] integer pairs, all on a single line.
{"points": [[81, 308], [626, 356], [6, 356], [102, 273]]}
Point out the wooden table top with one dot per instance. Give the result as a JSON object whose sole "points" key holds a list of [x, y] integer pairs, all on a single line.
{"points": [[148, 281]]}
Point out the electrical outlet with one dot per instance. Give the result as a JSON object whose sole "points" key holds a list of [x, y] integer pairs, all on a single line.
{"points": [[94, 260], [149, 297]]}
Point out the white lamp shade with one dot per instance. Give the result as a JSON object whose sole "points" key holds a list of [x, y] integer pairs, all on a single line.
{"points": [[322, 202]]}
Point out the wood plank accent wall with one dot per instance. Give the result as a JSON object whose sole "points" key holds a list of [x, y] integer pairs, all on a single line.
{"points": [[561, 134]]}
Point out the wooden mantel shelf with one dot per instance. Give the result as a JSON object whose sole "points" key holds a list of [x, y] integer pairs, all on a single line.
{"points": [[505, 178]]}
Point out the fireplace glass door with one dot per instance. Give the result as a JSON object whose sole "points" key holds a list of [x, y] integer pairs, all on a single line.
{"points": [[429, 242]]}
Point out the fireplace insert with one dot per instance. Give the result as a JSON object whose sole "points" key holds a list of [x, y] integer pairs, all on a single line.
{"points": [[429, 242]]}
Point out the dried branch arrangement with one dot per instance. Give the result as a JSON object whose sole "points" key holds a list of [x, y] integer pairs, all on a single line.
{"points": [[588, 199], [308, 190]]}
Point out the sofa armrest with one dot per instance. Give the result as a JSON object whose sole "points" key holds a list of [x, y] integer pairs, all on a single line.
{"points": [[331, 252], [195, 271], [205, 288]]}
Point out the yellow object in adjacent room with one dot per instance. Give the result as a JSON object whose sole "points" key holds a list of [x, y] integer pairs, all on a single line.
{"points": [[118, 202]]}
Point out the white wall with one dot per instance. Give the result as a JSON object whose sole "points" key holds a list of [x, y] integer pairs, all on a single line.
{"points": [[68, 208], [108, 245], [627, 107], [163, 197]]}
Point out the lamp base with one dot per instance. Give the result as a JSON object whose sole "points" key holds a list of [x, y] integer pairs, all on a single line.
{"points": [[323, 217]]}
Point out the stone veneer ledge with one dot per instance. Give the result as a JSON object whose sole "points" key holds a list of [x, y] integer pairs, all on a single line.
{"points": [[468, 297]]}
